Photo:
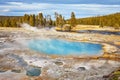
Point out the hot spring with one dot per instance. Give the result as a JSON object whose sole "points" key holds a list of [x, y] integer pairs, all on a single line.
{"points": [[64, 47]]}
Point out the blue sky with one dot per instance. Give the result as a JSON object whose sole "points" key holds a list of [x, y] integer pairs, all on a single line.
{"points": [[82, 8]]}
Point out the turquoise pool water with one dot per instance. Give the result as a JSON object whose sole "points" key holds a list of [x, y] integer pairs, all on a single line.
{"points": [[62, 47]]}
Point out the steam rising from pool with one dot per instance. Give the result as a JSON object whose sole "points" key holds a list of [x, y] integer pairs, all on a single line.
{"points": [[35, 29], [61, 47], [28, 27]]}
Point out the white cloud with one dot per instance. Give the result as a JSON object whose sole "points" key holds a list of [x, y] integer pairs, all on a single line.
{"points": [[5, 10], [15, 3], [19, 8]]}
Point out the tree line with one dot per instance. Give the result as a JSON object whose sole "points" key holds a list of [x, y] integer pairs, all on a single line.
{"points": [[112, 20], [32, 19], [9, 21], [36, 20]]}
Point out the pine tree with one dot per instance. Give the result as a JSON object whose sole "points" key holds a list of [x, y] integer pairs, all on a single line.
{"points": [[20, 20], [6, 23], [41, 19], [44, 20], [73, 20], [1, 25], [64, 21], [101, 23], [26, 18], [60, 20], [13, 23], [48, 21], [37, 20], [57, 19], [32, 20], [117, 26]]}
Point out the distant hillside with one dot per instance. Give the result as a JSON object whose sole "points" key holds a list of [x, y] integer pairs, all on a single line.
{"points": [[112, 20], [9, 21]]}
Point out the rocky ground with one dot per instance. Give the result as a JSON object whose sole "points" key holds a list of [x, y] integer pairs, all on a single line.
{"points": [[18, 62]]}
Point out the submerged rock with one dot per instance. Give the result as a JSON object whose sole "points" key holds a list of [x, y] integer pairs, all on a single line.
{"points": [[59, 63], [81, 68], [33, 72], [16, 71], [1, 71]]}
